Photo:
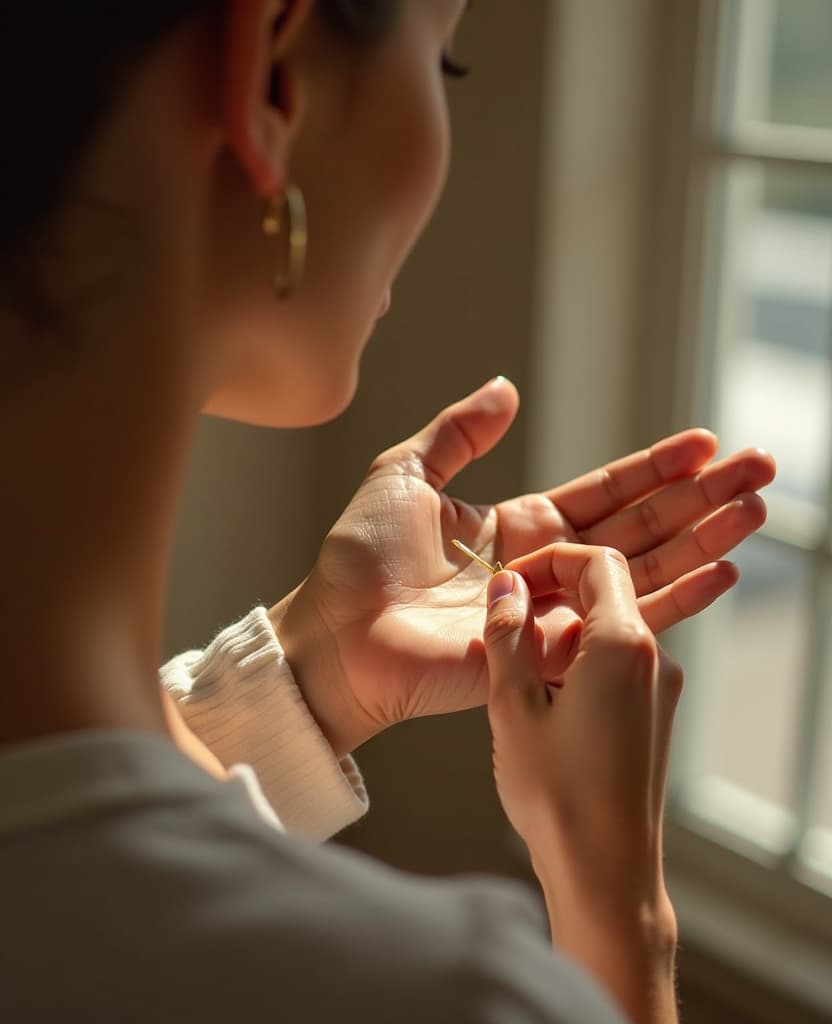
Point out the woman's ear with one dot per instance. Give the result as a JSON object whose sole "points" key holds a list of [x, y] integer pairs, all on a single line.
{"points": [[263, 96]]}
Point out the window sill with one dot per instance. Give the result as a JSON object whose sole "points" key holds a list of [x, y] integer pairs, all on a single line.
{"points": [[745, 940]]}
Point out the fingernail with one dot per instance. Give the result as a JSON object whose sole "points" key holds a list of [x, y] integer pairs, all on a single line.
{"points": [[500, 585], [498, 381]]}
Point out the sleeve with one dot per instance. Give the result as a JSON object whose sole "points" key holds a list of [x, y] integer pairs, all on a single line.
{"points": [[446, 951], [517, 976], [240, 698]]}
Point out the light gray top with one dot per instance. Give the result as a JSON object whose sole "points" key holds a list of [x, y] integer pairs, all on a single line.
{"points": [[134, 887]]}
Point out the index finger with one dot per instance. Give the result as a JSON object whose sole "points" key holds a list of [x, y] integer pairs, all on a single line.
{"points": [[599, 576]]}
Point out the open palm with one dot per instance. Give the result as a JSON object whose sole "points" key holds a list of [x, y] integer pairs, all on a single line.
{"points": [[388, 625]]}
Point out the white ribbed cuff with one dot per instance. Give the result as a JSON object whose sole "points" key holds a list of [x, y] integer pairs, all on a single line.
{"points": [[240, 698]]}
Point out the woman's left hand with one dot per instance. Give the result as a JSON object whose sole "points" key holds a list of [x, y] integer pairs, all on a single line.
{"points": [[388, 625]]}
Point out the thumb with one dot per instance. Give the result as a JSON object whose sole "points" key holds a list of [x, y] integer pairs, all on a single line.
{"points": [[460, 433], [510, 644]]}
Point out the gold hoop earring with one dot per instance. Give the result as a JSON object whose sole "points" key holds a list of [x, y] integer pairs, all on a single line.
{"points": [[289, 204]]}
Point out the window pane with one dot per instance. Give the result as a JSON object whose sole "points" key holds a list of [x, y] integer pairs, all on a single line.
{"points": [[769, 383], [777, 63], [772, 374], [801, 72], [745, 687]]}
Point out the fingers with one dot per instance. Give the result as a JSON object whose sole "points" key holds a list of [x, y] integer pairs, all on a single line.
{"points": [[600, 493], [612, 638], [609, 688], [599, 576], [528, 522], [687, 596], [681, 599], [559, 632], [510, 644], [642, 526], [460, 433], [710, 539]]}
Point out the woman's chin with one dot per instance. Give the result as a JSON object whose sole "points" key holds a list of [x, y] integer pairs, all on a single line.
{"points": [[309, 403]]}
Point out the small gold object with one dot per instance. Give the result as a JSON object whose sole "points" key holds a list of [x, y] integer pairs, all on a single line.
{"points": [[271, 218], [291, 199], [495, 568]]}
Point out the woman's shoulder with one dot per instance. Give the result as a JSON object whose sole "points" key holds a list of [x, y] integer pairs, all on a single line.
{"points": [[151, 881]]}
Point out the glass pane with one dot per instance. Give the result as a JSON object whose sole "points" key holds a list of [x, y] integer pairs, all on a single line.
{"points": [[777, 65], [772, 373], [769, 383], [745, 685]]}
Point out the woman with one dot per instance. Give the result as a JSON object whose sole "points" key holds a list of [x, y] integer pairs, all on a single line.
{"points": [[153, 267]]}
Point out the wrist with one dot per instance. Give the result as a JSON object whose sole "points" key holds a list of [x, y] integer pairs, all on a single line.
{"points": [[637, 969], [311, 654], [627, 939]]}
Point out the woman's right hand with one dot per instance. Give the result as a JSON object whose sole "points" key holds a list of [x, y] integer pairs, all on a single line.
{"points": [[581, 766]]}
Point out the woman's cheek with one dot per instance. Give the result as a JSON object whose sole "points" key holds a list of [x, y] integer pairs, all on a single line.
{"points": [[420, 164]]}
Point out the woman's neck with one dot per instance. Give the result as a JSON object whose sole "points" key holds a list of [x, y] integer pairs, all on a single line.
{"points": [[93, 451]]}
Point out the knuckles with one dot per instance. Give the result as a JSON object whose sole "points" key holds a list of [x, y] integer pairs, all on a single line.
{"points": [[608, 554], [502, 622], [671, 675], [631, 648], [384, 460], [379, 464], [537, 506]]}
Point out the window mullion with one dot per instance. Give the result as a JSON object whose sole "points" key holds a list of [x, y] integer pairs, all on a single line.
{"points": [[810, 718], [727, 151], [777, 141], [811, 723]]}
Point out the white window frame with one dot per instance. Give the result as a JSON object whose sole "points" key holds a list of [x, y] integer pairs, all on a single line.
{"points": [[651, 67], [763, 911]]}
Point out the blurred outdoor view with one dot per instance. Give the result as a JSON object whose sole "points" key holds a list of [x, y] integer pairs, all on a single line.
{"points": [[763, 681]]}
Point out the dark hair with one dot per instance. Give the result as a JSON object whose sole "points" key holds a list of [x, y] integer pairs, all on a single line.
{"points": [[62, 67]]}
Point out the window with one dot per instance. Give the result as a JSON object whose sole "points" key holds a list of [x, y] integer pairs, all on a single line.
{"points": [[754, 771], [686, 235]]}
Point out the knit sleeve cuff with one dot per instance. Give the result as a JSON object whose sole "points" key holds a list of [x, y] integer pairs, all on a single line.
{"points": [[240, 698]]}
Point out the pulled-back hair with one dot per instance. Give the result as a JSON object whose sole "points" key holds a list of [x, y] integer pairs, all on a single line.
{"points": [[63, 64]]}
